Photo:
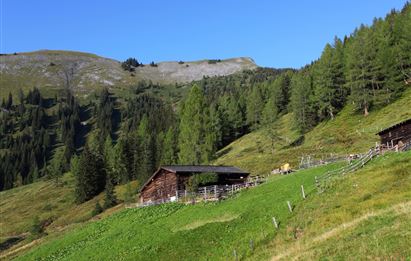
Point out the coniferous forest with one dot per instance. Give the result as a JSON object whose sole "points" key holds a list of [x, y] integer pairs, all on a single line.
{"points": [[111, 139]]}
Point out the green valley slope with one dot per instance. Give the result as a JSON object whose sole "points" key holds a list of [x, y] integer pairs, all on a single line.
{"points": [[373, 203]]}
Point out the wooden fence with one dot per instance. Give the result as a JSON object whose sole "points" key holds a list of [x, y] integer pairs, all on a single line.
{"points": [[357, 164], [207, 193]]}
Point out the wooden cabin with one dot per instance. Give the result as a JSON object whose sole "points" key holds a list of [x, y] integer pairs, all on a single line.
{"points": [[398, 134], [164, 184]]}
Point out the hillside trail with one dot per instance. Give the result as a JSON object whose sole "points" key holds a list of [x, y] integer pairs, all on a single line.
{"points": [[298, 248], [13, 252]]}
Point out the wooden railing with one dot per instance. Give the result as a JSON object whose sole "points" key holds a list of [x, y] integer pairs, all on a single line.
{"points": [[321, 182], [208, 193]]}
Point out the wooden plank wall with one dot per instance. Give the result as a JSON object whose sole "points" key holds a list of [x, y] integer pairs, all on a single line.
{"points": [[401, 133], [163, 186]]}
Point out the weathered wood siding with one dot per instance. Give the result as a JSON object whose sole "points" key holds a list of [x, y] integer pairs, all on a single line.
{"points": [[401, 133], [162, 186]]}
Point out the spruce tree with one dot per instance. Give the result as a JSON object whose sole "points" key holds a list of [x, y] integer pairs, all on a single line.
{"points": [[110, 198], [302, 102], [254, 107], [269, 114], [91, 176], [359, 71], [191, 128], [9, 101], [57, 165], [169, 148], [328, 84]]}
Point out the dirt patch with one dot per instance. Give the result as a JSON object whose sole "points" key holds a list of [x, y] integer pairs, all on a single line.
{"points": [[199, 223]]}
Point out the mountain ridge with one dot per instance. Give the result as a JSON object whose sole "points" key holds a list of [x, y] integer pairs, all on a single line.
{"points": [[84, 71]]}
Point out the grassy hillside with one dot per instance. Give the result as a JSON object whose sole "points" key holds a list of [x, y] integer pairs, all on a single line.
{"points": [[349, 132], [50, 202], [373, 204], [177, 231], [364, 215], [49, 70]]}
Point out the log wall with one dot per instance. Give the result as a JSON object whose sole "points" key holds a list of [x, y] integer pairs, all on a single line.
{"points": [[398, 134], [162, 186]]}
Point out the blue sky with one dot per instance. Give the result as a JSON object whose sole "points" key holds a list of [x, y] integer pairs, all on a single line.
{"points": [[273, 33]]}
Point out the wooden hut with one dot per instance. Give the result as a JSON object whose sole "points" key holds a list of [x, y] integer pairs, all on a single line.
{"points": [[164, 184], [398, 134]]}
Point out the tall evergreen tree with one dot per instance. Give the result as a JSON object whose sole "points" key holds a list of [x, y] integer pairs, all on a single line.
{"points": [[302, 102], [169, 148], [110, 198], [9, 101], [359, 75], [270, 113], [57, 165], [90, 176], [255, 107], [329, 81], [191, 127]]}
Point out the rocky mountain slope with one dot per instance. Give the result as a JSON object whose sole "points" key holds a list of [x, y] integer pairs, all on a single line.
{"points": [[82, 71]]}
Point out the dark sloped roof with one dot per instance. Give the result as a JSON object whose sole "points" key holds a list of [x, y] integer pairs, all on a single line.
{"points": [[204, 168], [394, 126]]}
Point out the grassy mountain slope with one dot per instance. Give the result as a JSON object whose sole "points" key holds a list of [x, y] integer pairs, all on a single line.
{"points": [[176, 231], [369, 203], [349, 132], [51, 69], [364, 215], [50, 202]]}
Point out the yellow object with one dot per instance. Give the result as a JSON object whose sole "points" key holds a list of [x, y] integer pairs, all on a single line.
{"points": [[285, 167]]}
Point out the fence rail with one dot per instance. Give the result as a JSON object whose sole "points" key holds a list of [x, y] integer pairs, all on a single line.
{"points": [[208, 193], [359, 163]]}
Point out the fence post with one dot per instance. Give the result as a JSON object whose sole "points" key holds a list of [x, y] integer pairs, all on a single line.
{"points": [[205, 192], [185, 194], [251, 244], [215, 191], [235, 255], [176, 194], [302, 191], [289, 206], [275, 222]]}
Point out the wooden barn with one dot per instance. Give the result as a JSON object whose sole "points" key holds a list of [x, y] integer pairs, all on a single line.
{"points": [[398, 134], [167, 180]]}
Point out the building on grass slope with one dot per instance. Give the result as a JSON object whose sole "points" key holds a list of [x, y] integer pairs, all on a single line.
{"points": [[166, 183]]}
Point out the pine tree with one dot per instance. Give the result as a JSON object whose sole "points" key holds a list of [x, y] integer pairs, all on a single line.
{"points": [[145, 157], [191, 128], [97, 209], [254, 107], [91, 176], [270, 112], [169, 148], [110, 196], [9, 101], [302, 102], [359, 71], [279, 92], [208, 137], [329, 81], [56, 167]]}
